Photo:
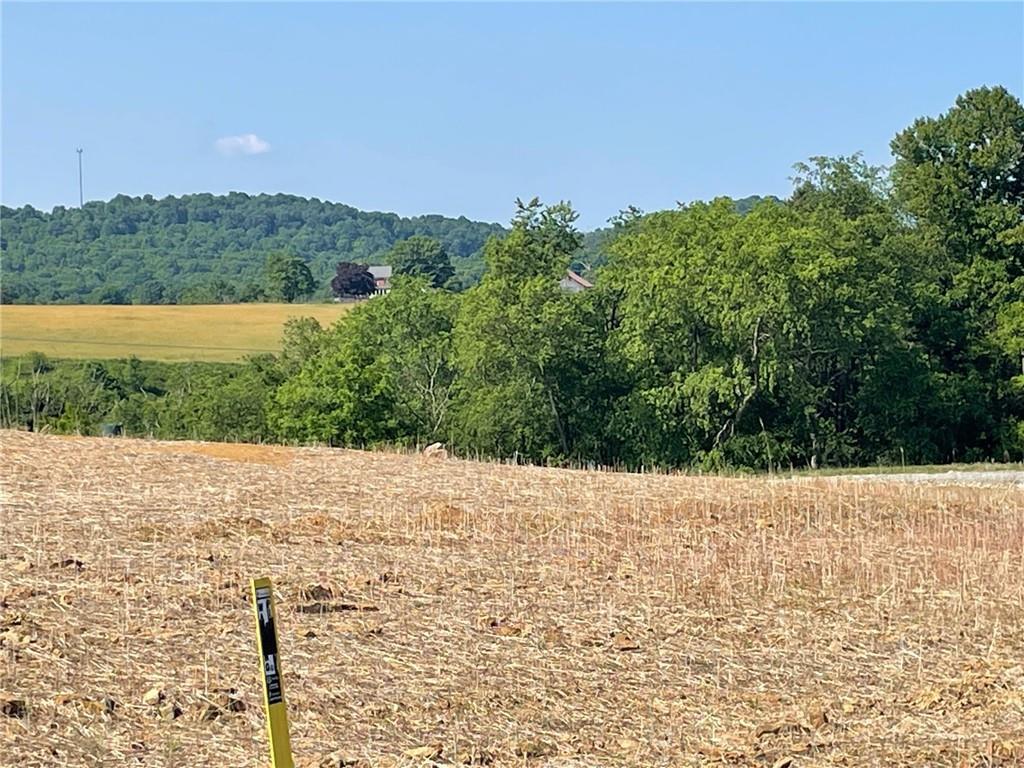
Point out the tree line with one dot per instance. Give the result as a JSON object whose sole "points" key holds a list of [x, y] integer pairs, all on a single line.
{"points": [[213, 249], [874, 316]]}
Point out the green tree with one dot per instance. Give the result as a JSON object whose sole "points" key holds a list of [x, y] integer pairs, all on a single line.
{"points": [[750, 338], [529, 356], [287, 277], [420, 256], [302, 339], [961, 176], [382, 373]]}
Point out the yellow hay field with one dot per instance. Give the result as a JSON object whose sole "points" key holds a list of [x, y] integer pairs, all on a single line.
{"points": [[446, 612], [215, 332]]}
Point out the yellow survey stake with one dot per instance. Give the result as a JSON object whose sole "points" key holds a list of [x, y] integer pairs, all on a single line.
{"points": [[273, 687]]}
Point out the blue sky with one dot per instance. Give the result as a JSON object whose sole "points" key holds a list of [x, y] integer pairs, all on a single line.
{"points": [[460, 108]]}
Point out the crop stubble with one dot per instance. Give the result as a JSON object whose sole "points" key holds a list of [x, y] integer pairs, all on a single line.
{"points": [[450, 611]]}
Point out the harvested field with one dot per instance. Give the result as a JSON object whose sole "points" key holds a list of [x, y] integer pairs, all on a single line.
{"points": [[173, 332], [455, 612]]}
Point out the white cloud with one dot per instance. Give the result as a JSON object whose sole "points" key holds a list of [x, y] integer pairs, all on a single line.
{"points": [[243, 144]]}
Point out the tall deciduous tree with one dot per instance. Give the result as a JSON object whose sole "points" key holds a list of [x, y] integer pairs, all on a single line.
{"points": [[528, 354], [421, 256], [287, 277], [961, 175]]}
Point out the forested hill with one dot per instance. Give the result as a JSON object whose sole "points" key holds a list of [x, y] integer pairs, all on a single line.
{"points": [[211, 248], [202, 247], [747, 204]]}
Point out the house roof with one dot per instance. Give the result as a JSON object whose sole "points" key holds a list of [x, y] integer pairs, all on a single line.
{"points": [[379, 271], [578, 279]]}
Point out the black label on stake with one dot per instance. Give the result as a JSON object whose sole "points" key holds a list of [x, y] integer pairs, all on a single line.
{"points": [[268, 645]]}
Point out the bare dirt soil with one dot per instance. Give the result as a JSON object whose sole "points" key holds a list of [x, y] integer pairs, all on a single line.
{"points": [[449, 612]]}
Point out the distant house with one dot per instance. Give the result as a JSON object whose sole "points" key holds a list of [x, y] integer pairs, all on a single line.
{"points": [[574, 283], [381, 279]]}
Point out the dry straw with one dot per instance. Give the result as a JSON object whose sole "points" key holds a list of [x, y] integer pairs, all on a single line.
{"points": [[439, 611]]}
